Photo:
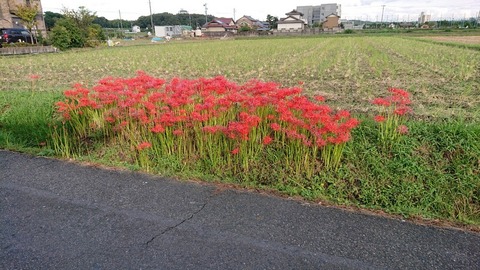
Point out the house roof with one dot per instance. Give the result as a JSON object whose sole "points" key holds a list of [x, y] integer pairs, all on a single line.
{"points": [[262, 26], [221, 22], [250, 18], [333, 15], [294, 12], [225, 20], [292, 20]]}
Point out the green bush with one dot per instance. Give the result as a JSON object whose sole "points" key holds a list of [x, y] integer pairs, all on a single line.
{"points": [[60, 37]]}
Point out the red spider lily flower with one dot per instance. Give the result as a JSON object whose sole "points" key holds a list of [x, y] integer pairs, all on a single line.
{"points": [[381, 102], [379, 118], [402, 129], [306, 142], [177, 132], [109, 119], [235, 151], [267, 140], [270, 117], [275, 126], [349, 125], [34, 76], [212, 129], [320, 142], [144, 145], [399, 92], [343, 114], [158, 129], [319, 98], [402, 110]]}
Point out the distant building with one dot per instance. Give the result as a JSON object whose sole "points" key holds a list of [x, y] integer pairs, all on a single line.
{"points": [[252, 23], [331, 23], [318, 14], [294, 22], [220, 25], [173, 30], [423, 18], [9, 19], [352, 26]]}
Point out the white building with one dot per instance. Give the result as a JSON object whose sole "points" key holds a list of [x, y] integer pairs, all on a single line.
{"points": [[136, 29], [172, 30], [423, 18], [318, 14]]}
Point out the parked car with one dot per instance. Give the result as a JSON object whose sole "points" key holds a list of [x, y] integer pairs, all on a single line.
{"points": [[12, 35]]}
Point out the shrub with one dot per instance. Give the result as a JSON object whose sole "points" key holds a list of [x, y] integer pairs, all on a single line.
{"points": [[60, 37]]}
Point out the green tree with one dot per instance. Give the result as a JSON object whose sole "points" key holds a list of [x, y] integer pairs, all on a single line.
{"points": [[82, 17], [27, 13], [273, 21], [61, 37], [103, 22], [51, 18], [162, 19], [244, 28], [76, 38], [79, 26]]}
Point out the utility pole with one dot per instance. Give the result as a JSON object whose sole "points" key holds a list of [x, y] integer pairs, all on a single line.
{"points": [[120, 15], [233, 14], [206, 10], [151, 17], [383, 9]]}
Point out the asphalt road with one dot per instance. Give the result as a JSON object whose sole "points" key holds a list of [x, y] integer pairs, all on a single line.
{"points": [[61, 215]]}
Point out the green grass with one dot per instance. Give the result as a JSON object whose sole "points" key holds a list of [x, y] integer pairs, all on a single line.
{"points": [[25, 119], [434, 172]]}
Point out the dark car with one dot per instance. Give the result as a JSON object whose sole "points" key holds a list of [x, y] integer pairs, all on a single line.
{"points": [[12, 35]]}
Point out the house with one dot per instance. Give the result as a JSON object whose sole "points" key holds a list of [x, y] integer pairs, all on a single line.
{"points": [[173, 31], [220, 25], [9, 19], [293, 22], [253, 24], [331, 23]]}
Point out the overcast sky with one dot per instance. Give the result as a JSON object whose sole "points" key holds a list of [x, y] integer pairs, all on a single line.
{"points": [[400, 10]]}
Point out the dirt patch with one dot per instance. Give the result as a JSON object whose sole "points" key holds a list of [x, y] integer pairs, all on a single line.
{"points": [[458, 39]]}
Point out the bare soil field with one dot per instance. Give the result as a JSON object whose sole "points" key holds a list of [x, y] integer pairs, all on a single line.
{"points": [[458, 39]]}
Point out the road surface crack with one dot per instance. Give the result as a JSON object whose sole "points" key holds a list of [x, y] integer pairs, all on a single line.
{"points": [[181, 222]]}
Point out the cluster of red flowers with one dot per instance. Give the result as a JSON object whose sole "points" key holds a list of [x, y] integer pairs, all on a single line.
{"points": [[394, 108], [211, 106], [399, 101]]}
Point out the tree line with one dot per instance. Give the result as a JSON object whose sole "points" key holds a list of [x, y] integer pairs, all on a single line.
{"points": [[144, 22]]}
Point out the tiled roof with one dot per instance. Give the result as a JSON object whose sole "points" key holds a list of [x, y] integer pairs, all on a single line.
{"points": [[294, 12], [225, 20], [220, 22]]}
